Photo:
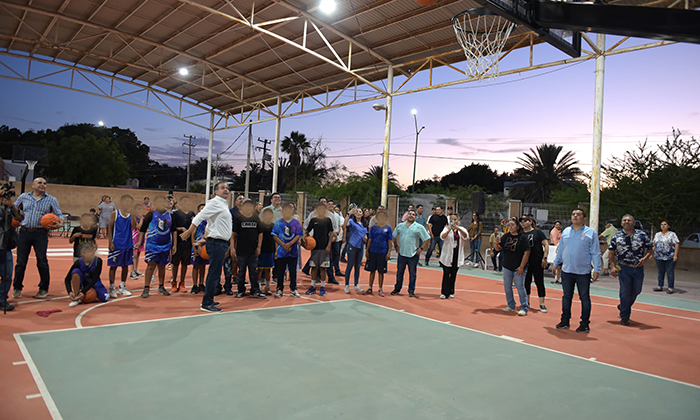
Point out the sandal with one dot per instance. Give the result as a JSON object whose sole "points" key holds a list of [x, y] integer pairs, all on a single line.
{"points": [[658, 289]]}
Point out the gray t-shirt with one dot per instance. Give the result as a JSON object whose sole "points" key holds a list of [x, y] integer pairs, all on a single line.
{"points": [[106, 211]]}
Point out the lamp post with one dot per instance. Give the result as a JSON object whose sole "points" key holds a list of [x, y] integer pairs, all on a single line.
{"points": [[415, 151]]}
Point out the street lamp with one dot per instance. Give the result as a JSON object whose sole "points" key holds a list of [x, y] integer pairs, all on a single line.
{"points": [[415, 151]]}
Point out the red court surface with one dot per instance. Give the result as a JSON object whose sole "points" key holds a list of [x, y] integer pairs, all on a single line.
{"points": [[661, 341]]}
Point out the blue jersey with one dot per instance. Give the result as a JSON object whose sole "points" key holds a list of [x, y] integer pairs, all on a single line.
{"points": [[121, 234], [287, 231], [380, 236], [158, 228], [200, 231]]}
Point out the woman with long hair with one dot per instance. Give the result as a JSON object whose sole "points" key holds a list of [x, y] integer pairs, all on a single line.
{"points": [[474, 229], [451, 255], [364, 217], [666, 247], [355, 235], [516, 253]]}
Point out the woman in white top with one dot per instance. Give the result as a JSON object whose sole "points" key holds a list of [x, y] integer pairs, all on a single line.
{"points": [[451, 255], [666, 246]]}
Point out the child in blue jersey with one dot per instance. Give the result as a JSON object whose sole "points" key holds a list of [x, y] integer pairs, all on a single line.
{"points": [[121, 244], [379, 251], [85, 275], [199, 264], [161, 242], [287, 232]]}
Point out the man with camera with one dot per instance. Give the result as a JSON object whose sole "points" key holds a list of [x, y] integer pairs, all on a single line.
{"points": [[35, 205], [8, 241]]}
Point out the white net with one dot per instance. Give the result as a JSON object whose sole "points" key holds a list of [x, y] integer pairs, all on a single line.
{"points": [[482, 36], [31, 164]]}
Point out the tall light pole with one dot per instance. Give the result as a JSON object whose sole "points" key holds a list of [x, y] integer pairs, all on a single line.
{"points": [[415, 151]]}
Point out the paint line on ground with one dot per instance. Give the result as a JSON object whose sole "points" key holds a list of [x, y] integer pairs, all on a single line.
{"points": [[593, 359], [507, 337], [448, 322], [21, 362], [32, 396], [43, 390]]}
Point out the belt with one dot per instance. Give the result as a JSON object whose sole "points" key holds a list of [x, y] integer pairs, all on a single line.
{"points": [[34, 229], [217, 239], [627, 265]]}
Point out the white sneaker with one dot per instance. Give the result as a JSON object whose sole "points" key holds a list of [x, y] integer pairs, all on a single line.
{"points": [[452, 296], [294, 293], [358, 289], [138, 273], [133, 275], [112, 292], [508, 309], [123, 291], [522, 312], [73, 303], [347, 289], [443, 297]]}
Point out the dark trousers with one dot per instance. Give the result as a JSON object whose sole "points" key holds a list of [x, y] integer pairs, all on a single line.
{"points": [[248, 263], [335, 256], [449, 276], [666, 268], [497, 259], [583, 283], [631, 280], [435, 240], [40, 241], [5, 273], [282, 265], [535, 270], [354, 262], [401, 265], [216, 249], [344, 251]]}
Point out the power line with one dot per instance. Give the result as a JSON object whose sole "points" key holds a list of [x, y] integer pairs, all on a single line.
{"points": [[190, 146]]}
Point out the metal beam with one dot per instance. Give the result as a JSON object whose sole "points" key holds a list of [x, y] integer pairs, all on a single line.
{"points": [[387, 135]]}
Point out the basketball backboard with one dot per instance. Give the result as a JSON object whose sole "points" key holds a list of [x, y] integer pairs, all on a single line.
{"points": [[23, 154]]}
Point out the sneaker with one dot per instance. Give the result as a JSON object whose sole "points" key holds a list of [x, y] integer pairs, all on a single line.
{"points": [[508, 309], [41, 294], [411, 294], [133, 275], [443, 297], [162, 291], [123, 291], [625, 321], [294, 293], [358, 289], [333, 281], [322, 291], [347, 288], [669, 291], [112, 292], [380, 293], [394, 292], [194, 290], [73, 303], [146, 292], [543, 309], [311, 290], [278, 294], [229, 292], [138, 273], [562, 325], [583, 329], [522, 312], [258, 295], [267, 290], [7, 306], [367, 292], [658, 289], [452, 296], [17, 293], [210, 308]]}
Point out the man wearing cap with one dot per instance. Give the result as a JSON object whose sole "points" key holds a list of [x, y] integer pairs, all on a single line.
{"points": [[607, 234]]}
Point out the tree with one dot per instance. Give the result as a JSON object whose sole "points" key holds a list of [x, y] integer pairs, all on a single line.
{"points": [[544, 170], [295, 145], [376, 172]]}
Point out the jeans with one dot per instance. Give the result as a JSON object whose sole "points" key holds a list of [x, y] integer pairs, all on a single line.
{"points": [[449, 276], [412, 263], [335, 257], [354, 261], [435, 240], [282, 265], [216, 249], [475, 248], [344, 251], [668, 268], [535, 270], [5, 273], [508, 277], [40, 241], [631, 280], [249, 263], [583, 283]]}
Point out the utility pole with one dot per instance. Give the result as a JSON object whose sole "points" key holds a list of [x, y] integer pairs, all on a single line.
{"points": [[247, 164], [265, 157], [189, 153]]}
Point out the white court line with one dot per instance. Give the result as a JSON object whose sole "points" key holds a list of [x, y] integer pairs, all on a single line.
{"points": [[44, 392], [21, 362], [509, 338], [536, 346], [32, 396], [78, 318]]}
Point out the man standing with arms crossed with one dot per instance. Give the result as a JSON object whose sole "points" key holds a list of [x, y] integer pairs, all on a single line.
{"points": [[410, 239], [436, 224], [35, 205], [578, 251], [219, 239]]}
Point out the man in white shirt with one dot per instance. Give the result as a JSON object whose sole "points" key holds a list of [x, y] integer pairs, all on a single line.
{"points": [[219, 238]]}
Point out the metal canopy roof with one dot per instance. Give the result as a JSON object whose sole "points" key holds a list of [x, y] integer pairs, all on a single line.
{"points": [[242, 54]]}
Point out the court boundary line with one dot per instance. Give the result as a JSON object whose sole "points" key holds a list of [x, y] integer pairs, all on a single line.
{"points": [[533, 345], [38, 380]]}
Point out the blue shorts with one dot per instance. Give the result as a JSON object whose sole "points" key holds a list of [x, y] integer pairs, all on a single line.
{"points": [[160, 258], [194, 260], [102, 293], [376, 262], [121, 258], [266, 260]]}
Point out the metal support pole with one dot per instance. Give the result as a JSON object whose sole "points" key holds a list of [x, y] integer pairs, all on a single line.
{"points": [[415, 151], [597, 134], [247, 164], [276, 154], [211, 147], [387, 135]]}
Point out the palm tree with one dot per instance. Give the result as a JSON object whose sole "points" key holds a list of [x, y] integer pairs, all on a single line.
{"points": [[542, 171], [376, 171], [295, 145]]}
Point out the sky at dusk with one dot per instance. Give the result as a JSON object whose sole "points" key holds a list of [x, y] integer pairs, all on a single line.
{"points": [[646, 94]]}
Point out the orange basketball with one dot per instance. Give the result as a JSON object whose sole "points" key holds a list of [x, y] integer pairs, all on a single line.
{"points": [[426, 2], [90, 296], [203, 252], [310, 243], [15, 223], [49, 219]]}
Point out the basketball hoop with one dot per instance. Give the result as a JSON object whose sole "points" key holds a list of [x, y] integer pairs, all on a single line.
{"points": [[31, 164], [482, 34]]}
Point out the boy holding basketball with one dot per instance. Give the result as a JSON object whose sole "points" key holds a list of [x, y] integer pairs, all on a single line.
{"points": [[199, 263], [83, 280], [86, 232], [160, 232], [121, 244], [324, 235], [379, 251], [286, 233]]}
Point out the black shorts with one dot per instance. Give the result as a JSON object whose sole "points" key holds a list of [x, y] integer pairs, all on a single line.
{"points": [[182, 256], [376, 262]]}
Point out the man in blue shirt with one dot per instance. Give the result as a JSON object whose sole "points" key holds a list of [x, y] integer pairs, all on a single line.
{"points": [[578, 250], [632, 248], [410, 239], [35, 204]]}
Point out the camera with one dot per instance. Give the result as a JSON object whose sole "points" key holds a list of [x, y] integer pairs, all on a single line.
{"points": [[6, 190]]}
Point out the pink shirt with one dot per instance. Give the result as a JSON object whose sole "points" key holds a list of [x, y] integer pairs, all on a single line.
{"points": [[554, 236]]}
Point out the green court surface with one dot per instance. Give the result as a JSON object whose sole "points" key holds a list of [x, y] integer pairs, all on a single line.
{"points": [[338, 360]]}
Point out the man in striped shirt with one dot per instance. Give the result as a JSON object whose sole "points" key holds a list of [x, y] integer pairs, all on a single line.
{"points": [[35, 205]]}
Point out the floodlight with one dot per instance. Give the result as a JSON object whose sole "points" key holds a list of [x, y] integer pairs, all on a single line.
{"points": [[327, 6], [183, 71], [379, 107], [414, 111]]}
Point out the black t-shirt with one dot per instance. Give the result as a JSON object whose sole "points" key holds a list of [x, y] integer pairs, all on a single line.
{"points": [[514, 247], [76, 245], [438, 222], [268, 243], [182, 220], [322, 228], [535, 238], [247, 230]]}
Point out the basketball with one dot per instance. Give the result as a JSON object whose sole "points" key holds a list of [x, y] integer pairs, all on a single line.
{"points": [[49, 219], [15, 223], [203, 252], [426, 2], [310, 243], [90, 296]]}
